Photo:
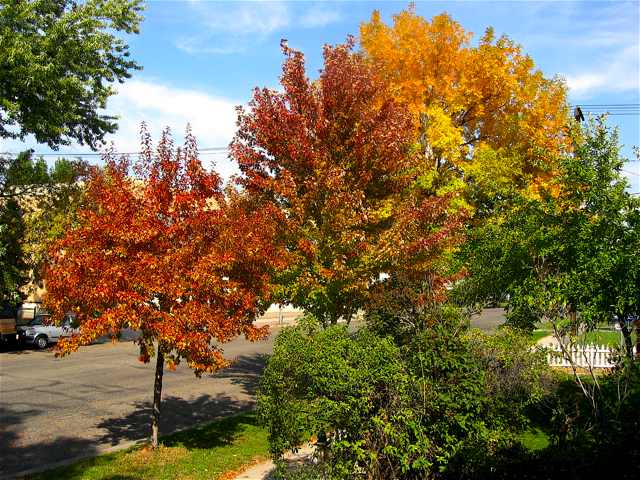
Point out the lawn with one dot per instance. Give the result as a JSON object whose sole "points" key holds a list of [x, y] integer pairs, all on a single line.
{"points": [[204, 452], [538, 334], [609, 338], [603, 337]]}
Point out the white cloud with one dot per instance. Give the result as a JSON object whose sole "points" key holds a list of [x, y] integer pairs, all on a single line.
{"points": [[227, 28], [260, 18], [620, 74], [212, 118], [319, 17], [159, 105]]}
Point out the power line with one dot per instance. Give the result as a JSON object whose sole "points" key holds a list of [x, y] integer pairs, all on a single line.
{"points": [[609, 109], [605, 105], [201, 151]]}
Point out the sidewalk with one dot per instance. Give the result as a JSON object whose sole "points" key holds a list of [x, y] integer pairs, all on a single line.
{"points": [[264, 470]]}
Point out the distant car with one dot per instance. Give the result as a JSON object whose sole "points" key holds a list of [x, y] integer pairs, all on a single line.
{"points": [[39, 334], [628, 321]]}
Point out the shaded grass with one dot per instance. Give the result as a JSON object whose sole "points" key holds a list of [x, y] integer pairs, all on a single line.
{"points": [[207, 451], [535, 439]]}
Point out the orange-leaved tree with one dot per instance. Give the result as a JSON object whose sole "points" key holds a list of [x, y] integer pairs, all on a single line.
{"points": [[160, 248], [483, 113], [340, 163]]}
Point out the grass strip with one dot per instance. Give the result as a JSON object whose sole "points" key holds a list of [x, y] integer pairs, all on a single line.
{"points": [[207, 451]]}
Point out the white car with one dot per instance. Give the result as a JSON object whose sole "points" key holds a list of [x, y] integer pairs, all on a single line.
{"points": [[37, 332]]}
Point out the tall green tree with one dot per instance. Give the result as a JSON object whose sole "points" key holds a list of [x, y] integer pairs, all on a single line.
{"points": [[59, 60], [37, 204], [12, 265], [572, 258]]}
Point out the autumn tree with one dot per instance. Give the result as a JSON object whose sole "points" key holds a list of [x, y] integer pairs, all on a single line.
{"points": [[159, 248], [482, 113], [338, 159]]}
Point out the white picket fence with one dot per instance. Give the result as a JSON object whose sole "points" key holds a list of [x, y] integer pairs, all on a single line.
{"points": [[584, 356]]}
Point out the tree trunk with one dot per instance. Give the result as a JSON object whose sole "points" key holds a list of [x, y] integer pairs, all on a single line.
{"points": [[626, 334], [157, 395], [637, 325]]}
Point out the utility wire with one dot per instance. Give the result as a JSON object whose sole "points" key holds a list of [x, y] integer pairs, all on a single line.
{"points": [[201, 151], [611, 109]]}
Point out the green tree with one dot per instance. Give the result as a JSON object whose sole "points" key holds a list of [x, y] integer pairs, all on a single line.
{"points": [[12, 265], [58, 62], [571, 258], [37, 204]]}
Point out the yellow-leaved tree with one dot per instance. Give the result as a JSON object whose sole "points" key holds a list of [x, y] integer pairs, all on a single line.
{"points": [[488, 121]]}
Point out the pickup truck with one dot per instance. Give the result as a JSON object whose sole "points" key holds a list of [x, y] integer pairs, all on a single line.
{"points": [[40, 333]]}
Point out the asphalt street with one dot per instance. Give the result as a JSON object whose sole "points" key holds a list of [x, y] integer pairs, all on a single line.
{"points": [[53, 409], [56, 409]]}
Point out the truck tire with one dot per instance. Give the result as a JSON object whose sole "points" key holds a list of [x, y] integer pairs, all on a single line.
{"points": [[41, 342]]}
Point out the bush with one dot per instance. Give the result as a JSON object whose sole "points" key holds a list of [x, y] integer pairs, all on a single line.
{"points": [[517, 375], [349, 389], [381, 409], [594, 439]]}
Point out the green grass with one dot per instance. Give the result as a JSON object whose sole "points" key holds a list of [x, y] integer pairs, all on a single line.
{"points": [[535, 439], [204, 452], [538, 334], [600, 337]]}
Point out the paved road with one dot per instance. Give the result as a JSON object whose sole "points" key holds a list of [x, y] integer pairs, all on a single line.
{"points": [[55, 409]]}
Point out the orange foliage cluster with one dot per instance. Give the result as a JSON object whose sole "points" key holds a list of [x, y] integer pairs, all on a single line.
{"points": [[161, 249], [466, 99]]}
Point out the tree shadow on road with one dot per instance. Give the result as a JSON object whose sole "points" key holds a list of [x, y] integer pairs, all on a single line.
{"points": [[19, 456], [245, 371], [176, 414]]}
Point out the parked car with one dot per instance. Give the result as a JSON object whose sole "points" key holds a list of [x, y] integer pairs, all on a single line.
{"points": [[40, 333], [8, 332]]}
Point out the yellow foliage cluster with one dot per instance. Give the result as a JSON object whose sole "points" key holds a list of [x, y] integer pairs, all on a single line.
{"points": [[481, 112]]}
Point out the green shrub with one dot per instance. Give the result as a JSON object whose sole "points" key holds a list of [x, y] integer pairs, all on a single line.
{"points": [[517, 375], [442, 403], [348, 389]]}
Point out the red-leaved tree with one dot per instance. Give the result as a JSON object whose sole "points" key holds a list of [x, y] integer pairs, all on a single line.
{"points": [[338, 158], [160, 248]]}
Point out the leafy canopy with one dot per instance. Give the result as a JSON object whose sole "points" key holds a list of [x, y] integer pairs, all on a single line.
{"points": [[337, 159], [162, 250], [578, 252], [37, 203], [59, 60], [482, 113]]}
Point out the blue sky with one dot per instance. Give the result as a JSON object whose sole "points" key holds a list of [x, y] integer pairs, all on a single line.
{"points": [[201, 58]]}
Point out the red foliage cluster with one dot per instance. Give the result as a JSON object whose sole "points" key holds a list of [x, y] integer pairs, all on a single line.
{"points": [[338, 158], [160, 248]]}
